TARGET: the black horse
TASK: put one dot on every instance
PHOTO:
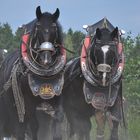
(31, 79)
(93, 83)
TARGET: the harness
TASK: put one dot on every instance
(18, 96)
(32, 65)
(14, 82)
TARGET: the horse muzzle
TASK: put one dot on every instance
(46, 50)
(105, 68)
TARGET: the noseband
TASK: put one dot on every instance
(88, 68)
(45, 46)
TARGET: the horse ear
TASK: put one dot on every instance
(98, 33)
(56, 14)
(38, 12)
(114, 33)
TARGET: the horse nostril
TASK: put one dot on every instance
(45, 62)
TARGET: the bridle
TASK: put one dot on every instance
(34, 35)
(98, 43)
(30, 51)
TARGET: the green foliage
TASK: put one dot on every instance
(132, 72)
(17, 37)
(9, 40)
(68, 44)
(131, 86)
(72, 41)
(6, 36)
(133, 126)
(77, 38)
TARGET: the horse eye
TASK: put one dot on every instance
(54, 24)
(88, 96)
(38, 24)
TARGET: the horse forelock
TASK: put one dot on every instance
(106, 35)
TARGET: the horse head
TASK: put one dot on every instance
(43, 54)
(46, 35)
(44, 48)
(103, 53)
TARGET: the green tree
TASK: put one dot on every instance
(6, 36)
(72, 41)
(131, 86)
(17, 38)
(70, 32)
(68, 44)
(77, 39)
(132, 72)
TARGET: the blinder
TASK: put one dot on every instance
(101, 43)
